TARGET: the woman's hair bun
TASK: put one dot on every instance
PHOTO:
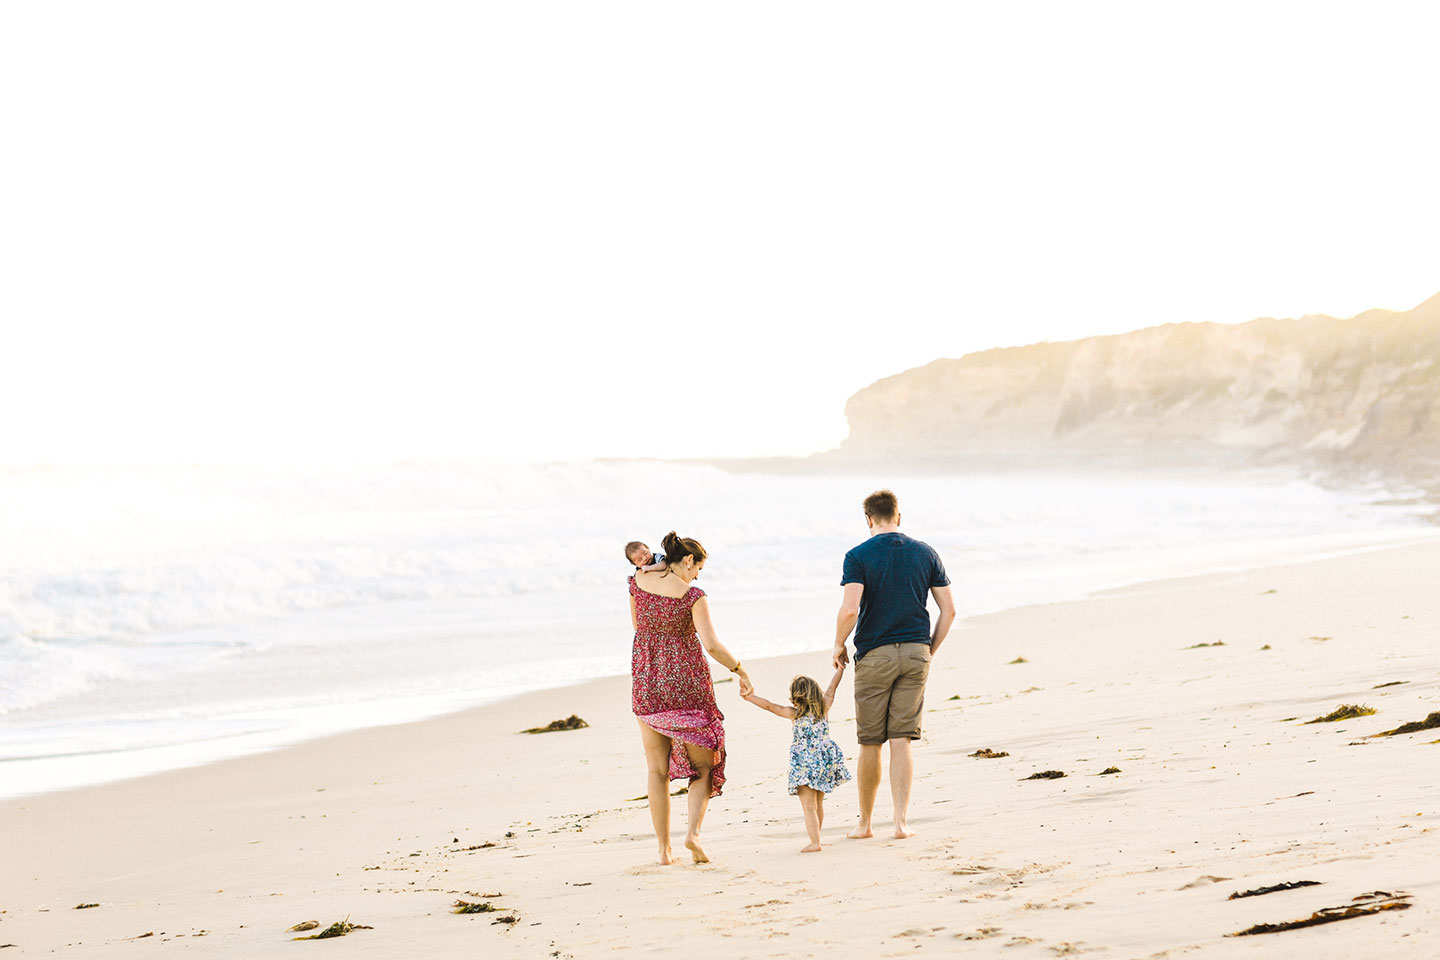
(677, 548)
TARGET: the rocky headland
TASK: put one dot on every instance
(1348, 397)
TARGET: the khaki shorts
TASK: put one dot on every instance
(890, 692)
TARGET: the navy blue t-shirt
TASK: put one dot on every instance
(897, 572)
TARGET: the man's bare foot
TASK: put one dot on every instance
(667, 857)
(902, 832)
(860, 833)
(813, 848)
(696, 853)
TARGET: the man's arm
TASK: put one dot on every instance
(845, 622)
(946, 603)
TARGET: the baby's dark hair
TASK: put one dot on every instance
(807, 698)
(634, 545)
(677, 548)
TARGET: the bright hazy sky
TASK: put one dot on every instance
(347, 230)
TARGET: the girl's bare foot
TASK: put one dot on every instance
(902, 832)
(860, 833)
(813, 848)
(666, 857)
(696, 853)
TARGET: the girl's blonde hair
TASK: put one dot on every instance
(807, 698)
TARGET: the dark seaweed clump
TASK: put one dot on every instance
(465, 906)
(1108, 770)
(1429, 723)
(985, 753)
(571, 722)
(337, 929)
(1046, 775)
(1344, 712)
(1332, 914)
(1276, 888)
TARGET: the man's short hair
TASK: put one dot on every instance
(882, 506)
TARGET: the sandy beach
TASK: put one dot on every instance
(1197, 690)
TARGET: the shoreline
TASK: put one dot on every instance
(318, 722)
(1220, 778)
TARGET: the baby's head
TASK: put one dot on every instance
(637, 553)
(807, 698)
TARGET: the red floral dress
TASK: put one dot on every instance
(670, 687)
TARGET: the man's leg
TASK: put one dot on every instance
(907, 703)
(902, 771)
(874, 676)
(867, 785)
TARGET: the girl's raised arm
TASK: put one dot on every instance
(834, 685)
(780, 711)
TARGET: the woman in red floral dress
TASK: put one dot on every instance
(671, 692)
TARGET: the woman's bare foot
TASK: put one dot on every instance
(813, 848)
(861, 832)
(696, 853)
(902, 832)
(667, 857)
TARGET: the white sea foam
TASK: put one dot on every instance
(144, 612)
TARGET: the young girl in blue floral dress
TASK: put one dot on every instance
(817, 764)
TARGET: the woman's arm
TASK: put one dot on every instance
(787, 712)
(634, 617)
(834, 685)
(705, 630)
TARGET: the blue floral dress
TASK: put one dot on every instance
(816, 761)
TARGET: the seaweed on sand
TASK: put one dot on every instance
(337, 929)
(1373, 903)
(1109, 770)
(1392, 683)
(86, 906)
(571, 722)
(465, 906)
(675, 793)
(1415, 726)
(985, 753)
(1275, 888)
(1045, 775)
(1019, 660)
(1197, 646)
(1344, 712)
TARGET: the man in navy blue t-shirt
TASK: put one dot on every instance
(887, 579)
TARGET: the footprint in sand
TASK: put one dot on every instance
(1203, 881)
(982, 933)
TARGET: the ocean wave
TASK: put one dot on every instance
(102, 572)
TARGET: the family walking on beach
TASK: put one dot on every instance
(886, 582)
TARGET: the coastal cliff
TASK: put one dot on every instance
(1362, 392)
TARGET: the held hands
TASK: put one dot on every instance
(841, 656)
(747, 689)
